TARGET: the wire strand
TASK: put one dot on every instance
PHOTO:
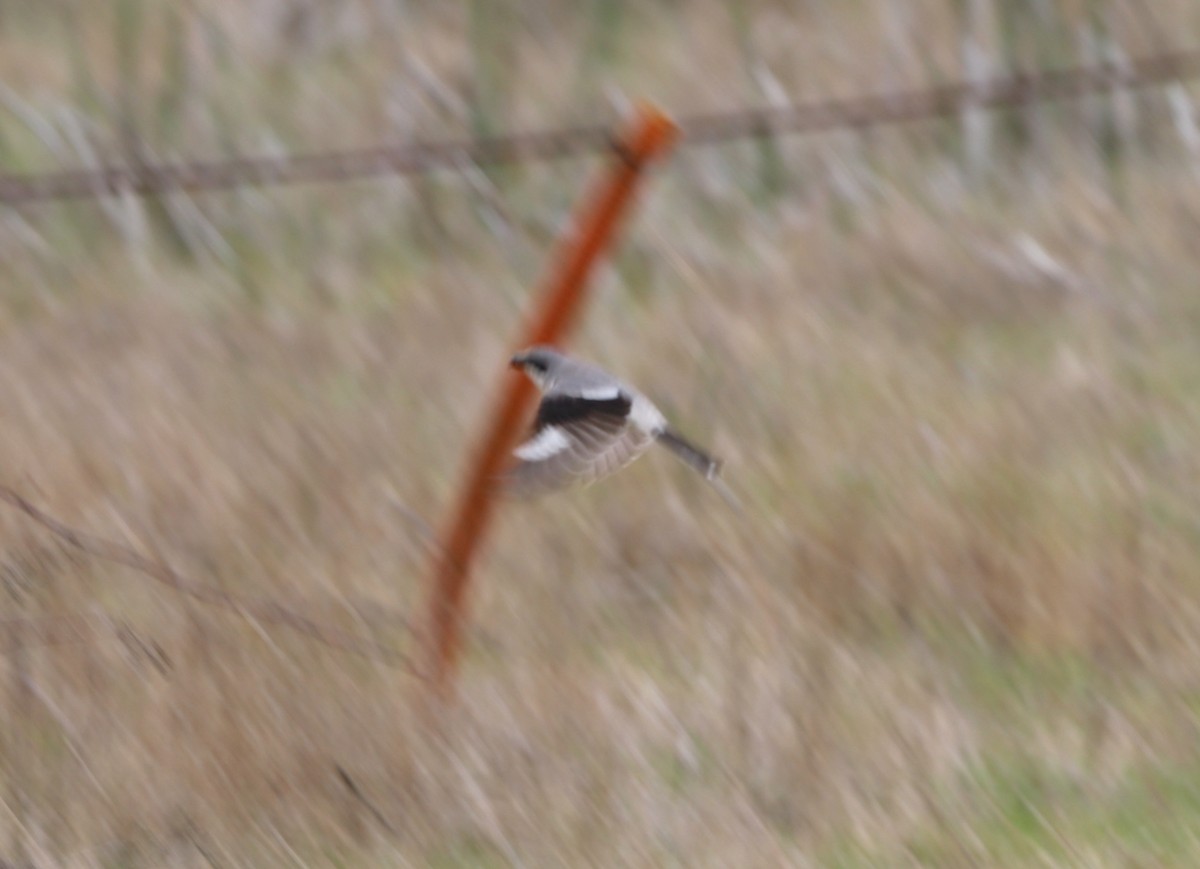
(852, 113)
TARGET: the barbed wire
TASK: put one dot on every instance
(851, 113)
(854, 113)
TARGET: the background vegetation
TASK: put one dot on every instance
(952, 367)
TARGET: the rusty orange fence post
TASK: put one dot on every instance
(649, 135)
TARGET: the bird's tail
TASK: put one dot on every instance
(702, 462)
(690, 453)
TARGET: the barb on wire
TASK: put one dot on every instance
(857, 112)
(255, 609)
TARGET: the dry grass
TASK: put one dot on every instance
(957, 627)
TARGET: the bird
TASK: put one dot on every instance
(590, 424)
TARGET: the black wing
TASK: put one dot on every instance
(576, 439)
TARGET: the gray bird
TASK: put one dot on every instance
(589, 425)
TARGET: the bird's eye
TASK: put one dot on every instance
(537, 364)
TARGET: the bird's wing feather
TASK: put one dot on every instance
(576, 439)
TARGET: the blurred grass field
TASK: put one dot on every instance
(952, 368)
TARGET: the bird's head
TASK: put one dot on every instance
(539, 363)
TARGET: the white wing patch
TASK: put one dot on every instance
(549, 442)
(600, 393)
